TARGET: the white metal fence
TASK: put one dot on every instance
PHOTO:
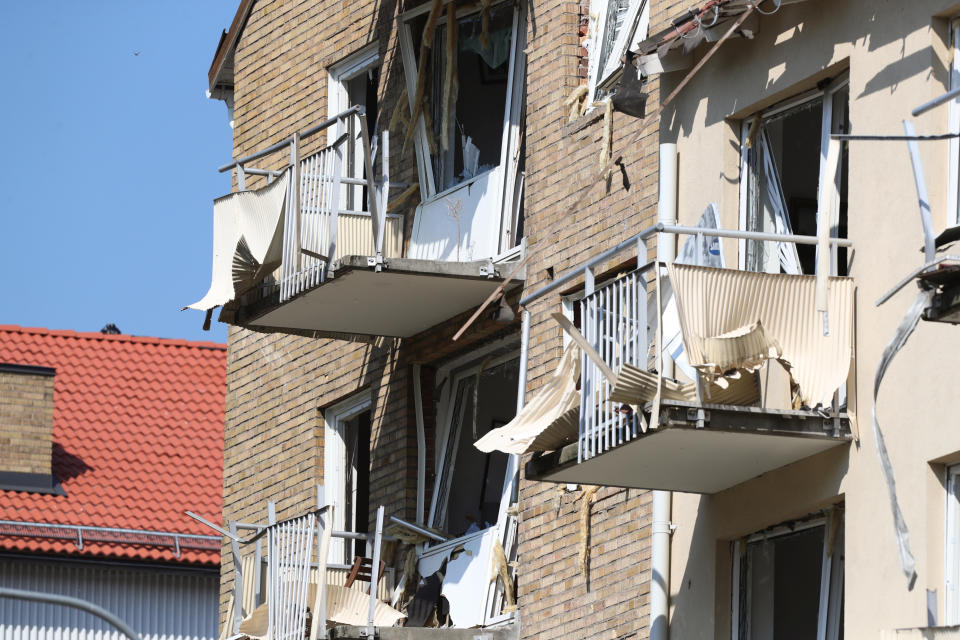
(614, 320)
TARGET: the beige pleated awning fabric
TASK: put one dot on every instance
(344, 606)
(247, 241)
(635, 387)
(725, 312)
(549, 420)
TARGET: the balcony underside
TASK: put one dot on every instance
(407, 297)
(734, 445)
(502, 632)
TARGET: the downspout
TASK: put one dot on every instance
(421, 443)
(660, 538)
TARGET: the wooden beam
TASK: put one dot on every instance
(493, 296)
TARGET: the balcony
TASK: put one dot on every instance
(314, 252)
(278, 591)
(749, 383)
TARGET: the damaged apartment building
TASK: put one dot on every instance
(570, 319)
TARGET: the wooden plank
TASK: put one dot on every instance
(493, 296)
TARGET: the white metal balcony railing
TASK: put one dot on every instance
(322, 219)
(614, 322)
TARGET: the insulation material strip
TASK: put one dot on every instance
(547, 418)
(254, 218)
(713, 302)
(904, 329)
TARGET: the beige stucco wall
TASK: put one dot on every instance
(897, 54)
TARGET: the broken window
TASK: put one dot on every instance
(784, 151)
(469, 153)
(347, 473)
(470, 483)
(614, 25)
(788, 582)
(952, 606)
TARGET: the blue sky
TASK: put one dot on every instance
(108, 163)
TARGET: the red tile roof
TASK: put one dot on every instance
(138, 439)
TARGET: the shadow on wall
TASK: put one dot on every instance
(797, 43)
(722, 518)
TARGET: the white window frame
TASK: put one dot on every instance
(953, 115)
(338, 101)
(952, 547)
(635, 26)
(334, 468)
(826, 123)
(510, 182)
(831, 574)
(445, 408)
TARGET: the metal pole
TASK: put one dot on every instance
(375, 573)
(68, 601)
(936, 102)
(929, 248)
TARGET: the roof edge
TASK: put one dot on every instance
(122, 337)
(228, 42)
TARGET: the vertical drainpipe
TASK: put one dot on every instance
(421, 443)
(660, 539)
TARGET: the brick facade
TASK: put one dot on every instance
(278, 386)
(26, 420)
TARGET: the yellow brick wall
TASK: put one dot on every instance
(26, 422)
(277, 385)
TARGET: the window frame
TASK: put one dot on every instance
(335, 419)
(637, 20)
(832, 572)
(953, 126)
(826, 95)
(951, 573)
(338, 101)
(445, 410)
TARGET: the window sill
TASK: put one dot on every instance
(581, 123)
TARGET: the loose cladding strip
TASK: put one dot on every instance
(713, 302)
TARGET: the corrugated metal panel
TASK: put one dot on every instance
(160, 604)
(713, 302)
(355, 236)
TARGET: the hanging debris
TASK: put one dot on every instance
(575, 102)
(501, 570)
(587, 496)
(400, 111)
(426, 45)
(449, 77)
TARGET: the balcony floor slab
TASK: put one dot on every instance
(736, 444)
(407, 297)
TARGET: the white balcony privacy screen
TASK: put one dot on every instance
(246, 241)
